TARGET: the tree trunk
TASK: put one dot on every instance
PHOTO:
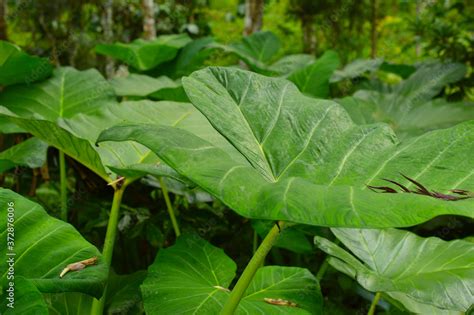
(373, 50)
(309, 34)
(418, 38)
(149, 27)
(3, 20)
(253, 16)
(107, 25)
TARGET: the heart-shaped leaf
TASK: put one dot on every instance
(192, 277)
(256, 50)
(44, 246)
(314, 79)
(30, 153)
(409, 107)
(145, 55)
(304, 160)
(17, 66)
(76, 136)
(428, 270)
(66, 94)
(189, 59)
(356, 69)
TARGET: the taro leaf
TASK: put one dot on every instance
(397, 298)
(429, 80)
(44, 246)
(356, 69)
(192, 277)
(17, 66)
(122, 155)
(74, 146)
(256, 50)
(123, 292)
(428, 270)
(76, 136)
(291, 238)
(123, 295)
(6, 126)
(30, 153)
(175, 93)
(402, 70)
(189, 59)
(66, 94)
(314, 79)
(291, 63)
(27, 299)
(145, 55)
(140, 85)
(409, 108)
(305, 160)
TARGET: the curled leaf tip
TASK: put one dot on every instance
(218, 287)
(78, 265)
(280, 302)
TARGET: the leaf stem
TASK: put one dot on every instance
(323, 268)
(63, 185)
(249, 272)
(375, 301)
(169, 207)
(255, 242)
(107, 252)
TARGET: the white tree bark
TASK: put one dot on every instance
(253, 16)
(149, 27)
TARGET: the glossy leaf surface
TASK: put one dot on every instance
(44, 246)
(304, 160)
(428, 270)
(192, 277)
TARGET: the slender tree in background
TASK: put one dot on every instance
(306, 11)
(107, 25)
(373, 30)
(253, 16)
(149, 27)
(3, 20)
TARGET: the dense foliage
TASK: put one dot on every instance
(212, 174)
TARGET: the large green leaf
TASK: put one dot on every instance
(291, 63)
(140, 85)
(77, 136)
(31, 153)
(291, 238)
(122, 297)
(409, 107)
(356, 69)
(145, 55)
(66, 94)
(189, 59)
(74, 146)
(19, 67)
(256, 50)
(428, 270)
(314, 79)
(192, 277)
(44, 246)
(303, 159)
(27, 299)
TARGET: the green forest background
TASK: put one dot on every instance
(401, 31)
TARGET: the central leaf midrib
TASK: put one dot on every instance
(61, 95)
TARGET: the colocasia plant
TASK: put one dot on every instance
(264, 145)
